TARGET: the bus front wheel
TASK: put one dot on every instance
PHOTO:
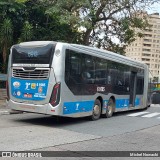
(110, 108)
(96, 110)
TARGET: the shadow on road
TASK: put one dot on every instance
(51, 121)
(56, 121)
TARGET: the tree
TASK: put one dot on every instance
(45, 26)
(15, 11)
(27, 32)
(26, 20)
(101, 21)
(6, 34)
(11, 15)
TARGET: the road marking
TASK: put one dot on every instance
(155, 105)
(137, 114)
(151, 115)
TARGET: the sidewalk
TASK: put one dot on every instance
(4, 110)
(2, 104)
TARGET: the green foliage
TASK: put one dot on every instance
(102, 18)
(88, 22)
(6, 34)
(27, 20)
(21, 1)
(27, 32)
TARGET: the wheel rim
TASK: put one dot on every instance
(110, 106)
(96, 110)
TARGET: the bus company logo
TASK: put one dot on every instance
(77, 106)
(18, 93)
(33, 85)
(100, 89)
(16, 84)
(27, 86)
(14, 93)
(40, 89)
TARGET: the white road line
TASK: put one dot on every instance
(151, 115)
(155, 105)
(137, 114)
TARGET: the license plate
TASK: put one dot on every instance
(28, 95)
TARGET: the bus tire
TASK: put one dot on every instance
(110, 108)
(96, 110)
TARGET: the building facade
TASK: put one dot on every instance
(147, 48)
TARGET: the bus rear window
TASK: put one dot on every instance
(33, 55)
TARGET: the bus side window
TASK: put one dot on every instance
(127, 84)
(88, 67)
(140, 82)
(140, 85)
(109, 79)
(67, 66)
(100, 71)
(120, 83)
(75, 68)
(72, 67)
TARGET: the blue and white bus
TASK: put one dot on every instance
(73, 80)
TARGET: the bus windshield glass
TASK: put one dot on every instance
(32, 54)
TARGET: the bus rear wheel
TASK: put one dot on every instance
(96, 110)
(110, 108)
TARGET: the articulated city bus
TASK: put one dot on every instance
(73, 80)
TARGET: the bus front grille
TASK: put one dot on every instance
(37, 73)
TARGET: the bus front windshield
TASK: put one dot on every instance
(33, 55)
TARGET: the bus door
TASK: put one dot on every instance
(133, 84)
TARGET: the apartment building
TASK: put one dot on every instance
(147, 48)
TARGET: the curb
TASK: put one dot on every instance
(4, 112)
(10, 111)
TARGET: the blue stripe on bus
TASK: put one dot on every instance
(137, 102)
(87, 106)
(77, 107)
(122, 103)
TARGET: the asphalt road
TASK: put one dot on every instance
(127, 131)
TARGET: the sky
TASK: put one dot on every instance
(154, 8)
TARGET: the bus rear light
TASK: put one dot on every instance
(7, 89)
(55, 97)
